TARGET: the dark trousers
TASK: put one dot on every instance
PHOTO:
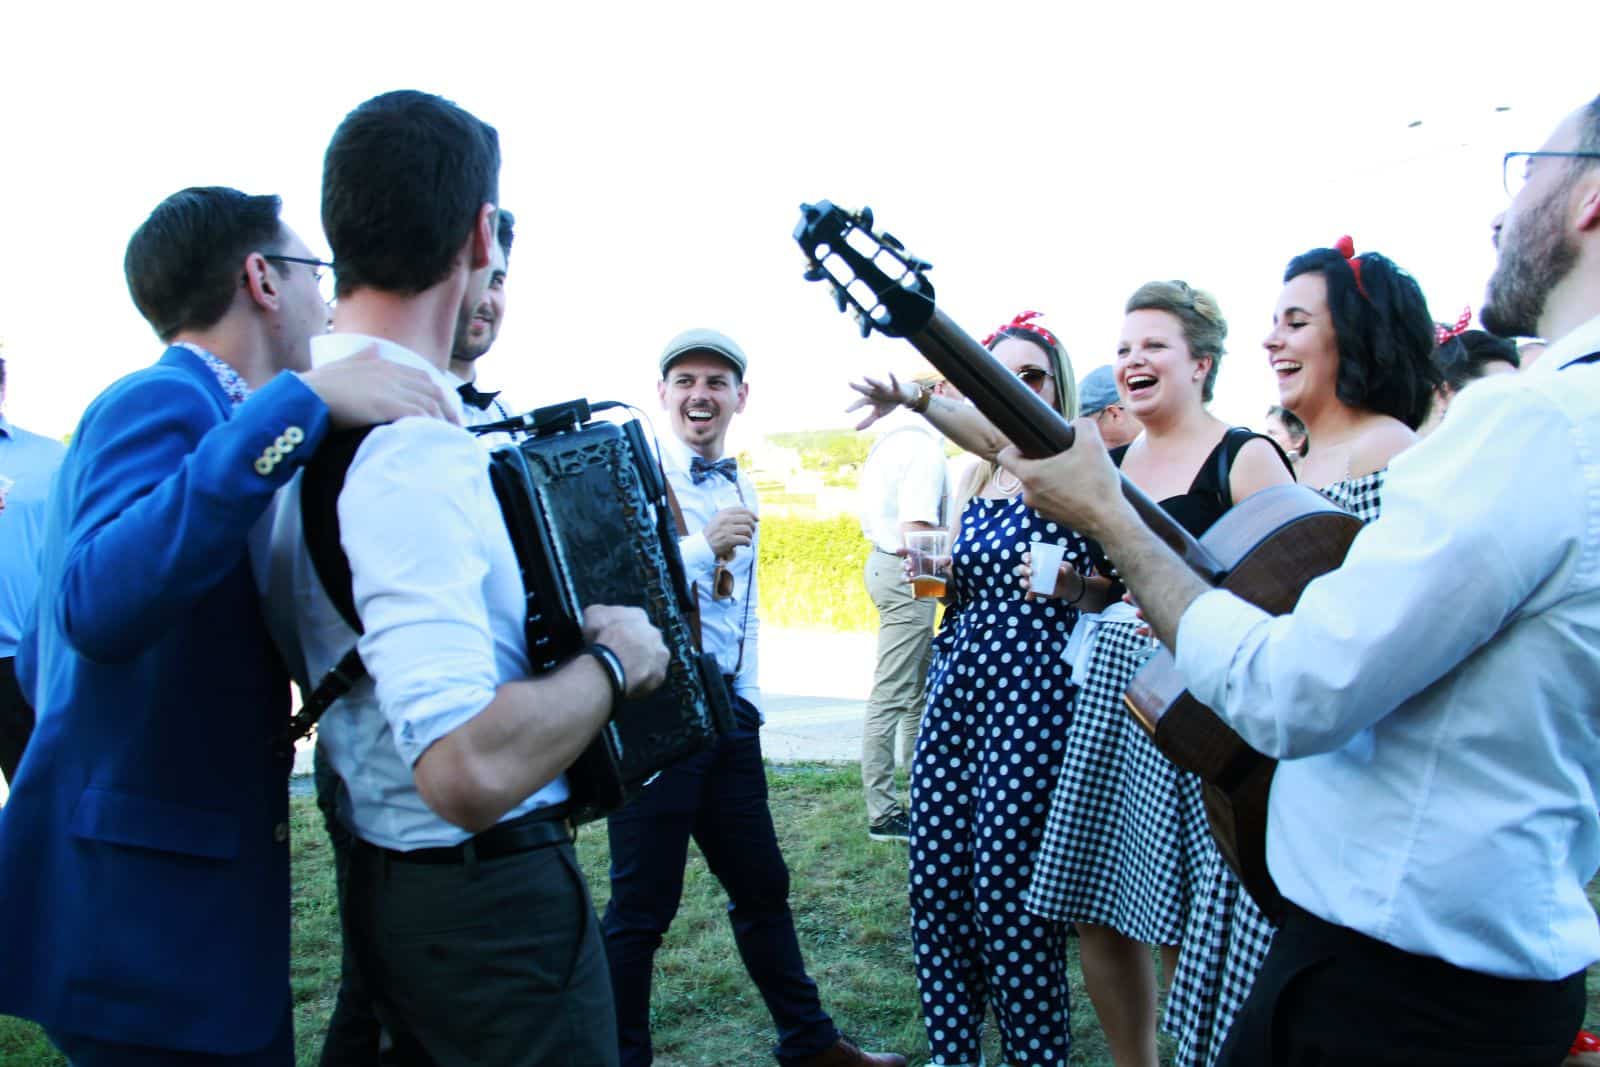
(1327, 995)
(89, 1052)
(353, 1035)
(494, 961)
(718, 798)
(16, 720)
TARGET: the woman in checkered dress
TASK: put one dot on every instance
(1351, 347)
(1126, 837)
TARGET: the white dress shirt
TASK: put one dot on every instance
(1435, 699)
(726, 626)
(902, 481)
(438, 590)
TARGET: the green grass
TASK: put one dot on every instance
(850, 909)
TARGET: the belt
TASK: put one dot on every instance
(540, 828)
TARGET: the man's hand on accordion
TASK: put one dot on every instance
(637, 644)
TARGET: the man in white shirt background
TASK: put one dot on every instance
(719, 797)
(463, 903)
(1433, 822)
(903, 487)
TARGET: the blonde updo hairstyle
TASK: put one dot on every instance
(1204, 328)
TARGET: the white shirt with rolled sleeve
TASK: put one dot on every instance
(1434, 701)
(903, 480)
(438, 590)
(725, 625)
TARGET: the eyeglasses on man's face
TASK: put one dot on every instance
(321, 272)
(1517, 167)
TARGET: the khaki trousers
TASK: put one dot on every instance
(894, 710)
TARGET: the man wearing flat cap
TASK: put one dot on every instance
(1098, 400)
(719, 797)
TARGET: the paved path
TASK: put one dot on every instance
(814, 685)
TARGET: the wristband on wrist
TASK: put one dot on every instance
(613, 667)
(1083, 587)
(924, 396)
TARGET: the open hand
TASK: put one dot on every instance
(881, 397)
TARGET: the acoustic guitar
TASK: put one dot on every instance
(1265, 549)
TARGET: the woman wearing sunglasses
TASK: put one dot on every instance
(1126, 841)
(999, 705)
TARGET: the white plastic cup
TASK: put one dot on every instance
(1045, 561)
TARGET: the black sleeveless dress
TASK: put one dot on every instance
(1126, 843)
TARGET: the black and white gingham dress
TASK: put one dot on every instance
(1127, 843)
(1228, 937)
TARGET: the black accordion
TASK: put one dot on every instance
(587, 511)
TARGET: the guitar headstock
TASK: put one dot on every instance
(870, 274)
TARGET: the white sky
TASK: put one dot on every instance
(1049, 156)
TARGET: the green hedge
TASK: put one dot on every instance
(811, 574)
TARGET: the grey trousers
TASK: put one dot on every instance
(894, 710)
(495, 962)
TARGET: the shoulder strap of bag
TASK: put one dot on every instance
(692, 615)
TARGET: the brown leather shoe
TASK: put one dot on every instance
(844, 1053)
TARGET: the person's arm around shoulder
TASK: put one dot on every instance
(166, 490)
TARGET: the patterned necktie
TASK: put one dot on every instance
(471, 396)
(700, 470)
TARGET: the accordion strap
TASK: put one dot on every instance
(692, 614)
(320, 485)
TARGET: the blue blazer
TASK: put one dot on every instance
(144, 854)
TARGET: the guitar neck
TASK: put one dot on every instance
(1036, 428)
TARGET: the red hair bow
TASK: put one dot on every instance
(1023, 321)
(1346, 247)
(1441, 334)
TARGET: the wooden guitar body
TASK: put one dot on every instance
(1271, 545)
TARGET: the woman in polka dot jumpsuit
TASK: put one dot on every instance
(999, 704)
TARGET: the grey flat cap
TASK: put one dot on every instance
(703, 340)
(1097, 391)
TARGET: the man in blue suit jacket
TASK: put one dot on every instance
(144, 857)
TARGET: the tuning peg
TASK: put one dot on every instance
(815, 273)
(918, 265)
(865, 324)
(864, 218)
(892, 241)
(840, 299)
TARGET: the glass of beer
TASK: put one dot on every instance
(928, 556)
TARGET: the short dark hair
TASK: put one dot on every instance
(505, 231)
(1383, 331)
(184, 262)
(1465, 357)
(402, 184)
(1589, 131)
